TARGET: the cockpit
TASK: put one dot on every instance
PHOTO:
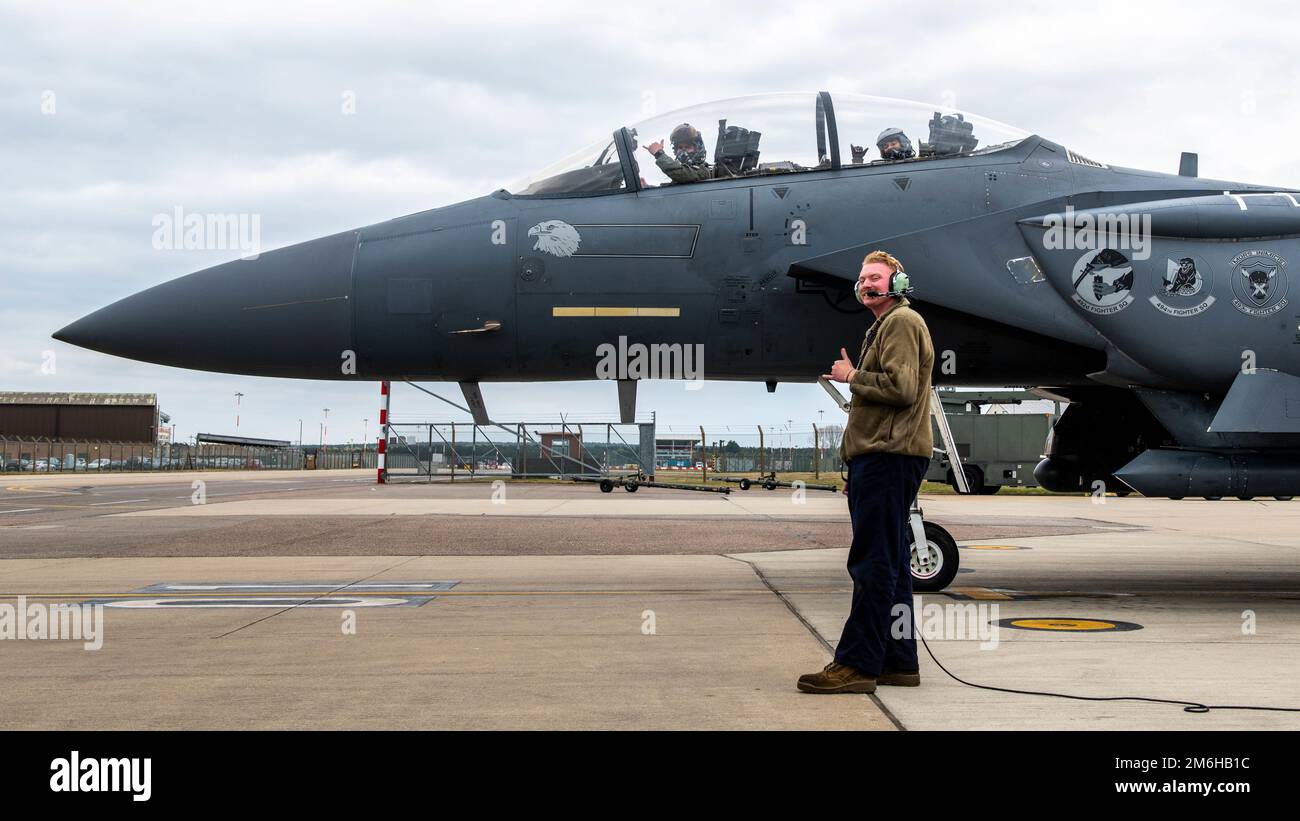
(766, 135)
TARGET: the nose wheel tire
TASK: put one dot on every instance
(935, 565)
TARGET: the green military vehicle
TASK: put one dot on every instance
(997, 448)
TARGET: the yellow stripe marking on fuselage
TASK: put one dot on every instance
(613, 311)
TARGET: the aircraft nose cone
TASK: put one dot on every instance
(285, 313)
(76, 333)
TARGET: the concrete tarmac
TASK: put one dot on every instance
(322, 601)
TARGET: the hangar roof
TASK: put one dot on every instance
(22, 398)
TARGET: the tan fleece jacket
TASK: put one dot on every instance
(890, 410)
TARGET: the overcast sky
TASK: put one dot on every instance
(111, 113)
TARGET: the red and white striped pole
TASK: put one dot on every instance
(385, 399)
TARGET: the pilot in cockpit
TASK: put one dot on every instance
(688, 163)
(894, 145)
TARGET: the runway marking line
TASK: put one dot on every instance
(77, 507)
(245, 594)
(979, 593)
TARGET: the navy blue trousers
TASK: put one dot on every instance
(881, 489)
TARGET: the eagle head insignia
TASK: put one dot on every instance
(555, 237)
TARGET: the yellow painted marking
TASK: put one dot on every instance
(1063, 624)
(979, 593)
(613, 311)
(990, 547)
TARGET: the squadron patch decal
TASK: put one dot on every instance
(555, 237)
(1103, 282)
(1258, 282)
(1183, 287)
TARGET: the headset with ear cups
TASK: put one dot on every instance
(900, 284)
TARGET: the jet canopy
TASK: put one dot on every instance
(768, 134)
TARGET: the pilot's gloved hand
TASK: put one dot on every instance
(859, 153)
(654, 148)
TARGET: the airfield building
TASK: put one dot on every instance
(93, 417)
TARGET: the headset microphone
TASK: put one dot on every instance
(899, 285)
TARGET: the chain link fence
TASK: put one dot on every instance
(751, 449)
(454, 450)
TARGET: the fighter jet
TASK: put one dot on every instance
(1156, 304)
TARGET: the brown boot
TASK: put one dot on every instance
(837, 678)
(899, 678)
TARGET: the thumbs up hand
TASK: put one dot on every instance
(842, 370)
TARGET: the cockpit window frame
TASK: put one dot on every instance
(630, 184)
(826, 129)
(626, 156)
(926, 158)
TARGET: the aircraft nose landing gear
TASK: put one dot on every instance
(934, 554)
